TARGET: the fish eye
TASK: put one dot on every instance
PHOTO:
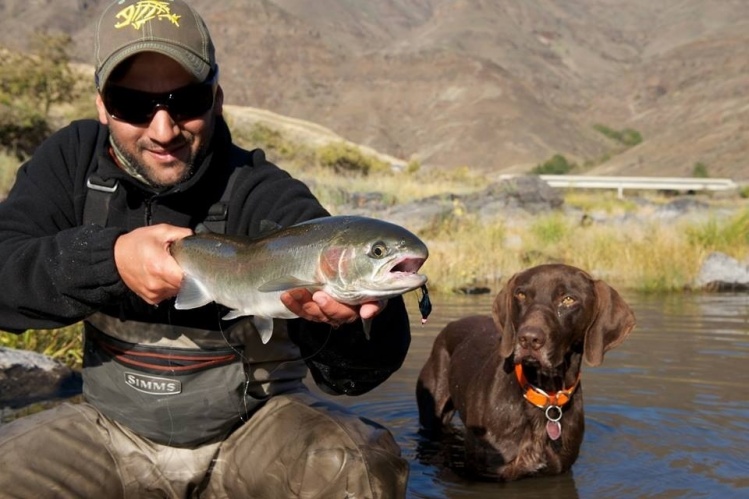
(378, 250)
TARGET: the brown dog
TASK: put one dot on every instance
(514, 378)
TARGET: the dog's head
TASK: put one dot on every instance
(545, 312)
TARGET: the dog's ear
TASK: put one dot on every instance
(502, 314)
(613, 321)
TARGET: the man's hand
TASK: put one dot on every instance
(145, 264)
(321, 307)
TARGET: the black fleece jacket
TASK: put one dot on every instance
(55, 270)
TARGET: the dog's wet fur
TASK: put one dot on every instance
(547, 319)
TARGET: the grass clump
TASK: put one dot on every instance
(724, 236)
(64, 344)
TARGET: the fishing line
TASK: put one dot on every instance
(168, 409)
(244, 360)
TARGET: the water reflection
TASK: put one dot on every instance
(667, 414)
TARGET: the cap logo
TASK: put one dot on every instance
(138, 14)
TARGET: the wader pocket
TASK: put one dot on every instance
(174, 396)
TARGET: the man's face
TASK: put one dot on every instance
(163, 150)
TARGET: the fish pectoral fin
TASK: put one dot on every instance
(286, 283)
(264, 326)
(192, 294)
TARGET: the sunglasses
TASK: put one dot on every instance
(137, 107)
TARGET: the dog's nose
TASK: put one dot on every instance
(531, 338)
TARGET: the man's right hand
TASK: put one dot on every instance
(145, 264)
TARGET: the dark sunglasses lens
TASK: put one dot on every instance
(136, 107)
(131, 106)
(190, 102)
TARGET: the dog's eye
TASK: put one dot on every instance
(520, 295)
(568, 301)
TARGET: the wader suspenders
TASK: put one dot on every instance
(218, 213)
(99, 192)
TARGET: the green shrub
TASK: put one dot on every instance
(29, 85)
(627, 136)
(348, 159)
(271, 139)
(700, 171)
(557, 165)
(630, 137)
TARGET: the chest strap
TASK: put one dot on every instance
(99, 193)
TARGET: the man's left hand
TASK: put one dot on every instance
(321, 307)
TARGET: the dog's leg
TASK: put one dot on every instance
(432, 389)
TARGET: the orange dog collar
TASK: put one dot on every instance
(540, 398)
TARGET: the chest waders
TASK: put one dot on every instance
(177, 385)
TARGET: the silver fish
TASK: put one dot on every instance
(353, 259)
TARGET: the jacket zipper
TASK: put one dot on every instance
(149, 213)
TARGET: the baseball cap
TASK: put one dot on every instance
(169, 27)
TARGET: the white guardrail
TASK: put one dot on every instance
(638, 183)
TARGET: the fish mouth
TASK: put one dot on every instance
(402, 275)
(389, 280)
(407, 265)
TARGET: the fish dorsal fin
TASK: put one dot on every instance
(191, 294)
(286, 283)
(268, 226)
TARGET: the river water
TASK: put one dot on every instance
(667, 413)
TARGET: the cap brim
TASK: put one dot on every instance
(193, 64)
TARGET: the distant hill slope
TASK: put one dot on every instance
(497, 86)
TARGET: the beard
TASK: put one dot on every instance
(148, 174)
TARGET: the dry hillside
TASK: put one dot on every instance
(497, 86)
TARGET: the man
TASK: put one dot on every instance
(178, 403)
